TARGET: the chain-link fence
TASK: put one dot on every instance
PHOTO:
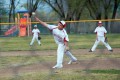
(73, 27)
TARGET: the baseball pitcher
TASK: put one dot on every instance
(61, 38)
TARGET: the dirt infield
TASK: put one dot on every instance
(92, 63)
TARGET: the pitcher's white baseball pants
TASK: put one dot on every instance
(60, 55)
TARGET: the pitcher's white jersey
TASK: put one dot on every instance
(59, 35)
(100, 31)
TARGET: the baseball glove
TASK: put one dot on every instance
(106, 39)
(39, 38)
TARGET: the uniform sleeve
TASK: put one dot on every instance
(66, 36)
(51, 27)
(96, 30)
(33, 31)
(38, 31)
(105, 31)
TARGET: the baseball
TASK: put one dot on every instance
(33, 13)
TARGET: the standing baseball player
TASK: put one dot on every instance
(100, 37)
(61, 38)
(35, 33)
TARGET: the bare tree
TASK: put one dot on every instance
(32, 5)
(115, 7)
(12, 10)
(67, 9)
(95, 9)
(2, 13)
(107, 9)
(102, 9)
(72, 9)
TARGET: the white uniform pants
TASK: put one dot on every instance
(71, 57)
(60, 54)
(100, 39)
(33, 39)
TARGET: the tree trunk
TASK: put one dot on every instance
(116, 4)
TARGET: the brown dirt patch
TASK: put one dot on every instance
(94, 63)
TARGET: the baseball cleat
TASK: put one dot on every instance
(57, 67)
(70, 62)
(111, 50)
(90, 50)
(54, 66)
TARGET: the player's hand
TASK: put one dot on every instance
(67, 48)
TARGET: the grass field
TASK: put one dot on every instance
(19, 61)
(76, 42)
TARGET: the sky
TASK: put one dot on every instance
(18, 7)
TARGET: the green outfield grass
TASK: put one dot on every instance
(76, 42)
(69, 75)
(84, 41)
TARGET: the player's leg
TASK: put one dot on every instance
(32, 41)
(60, 54)
(38, 40)
(72, 57)
(95, 45)
(106, 44)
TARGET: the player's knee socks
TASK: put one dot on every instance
(68, 53)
